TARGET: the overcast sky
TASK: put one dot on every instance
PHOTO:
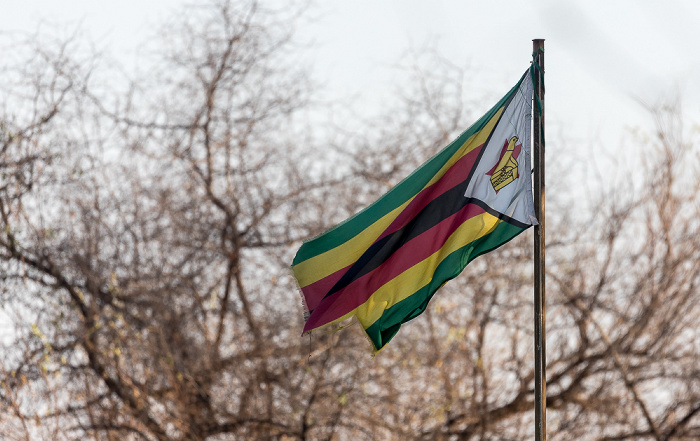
(601, 56)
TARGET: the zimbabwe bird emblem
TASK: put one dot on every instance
(506, 170)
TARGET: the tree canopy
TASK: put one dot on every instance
(148, 225)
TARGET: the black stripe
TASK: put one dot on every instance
(501, 216)
(436, 211)
(440, 208)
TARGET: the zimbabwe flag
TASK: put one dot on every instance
(384, 264)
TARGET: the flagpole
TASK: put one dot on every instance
(539, 297)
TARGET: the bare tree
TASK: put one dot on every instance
(147, 232)
(152, 250)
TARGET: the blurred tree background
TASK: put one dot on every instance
(148, 227)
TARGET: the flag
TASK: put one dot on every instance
(384, 264)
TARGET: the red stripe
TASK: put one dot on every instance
(411, 253)
(455, 175)
(315, 292)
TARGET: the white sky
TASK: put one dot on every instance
(600, 55)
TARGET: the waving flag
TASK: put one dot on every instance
(384, 264)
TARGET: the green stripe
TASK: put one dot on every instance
(402, 192)
(411, 307)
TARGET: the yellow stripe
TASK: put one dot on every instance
(470, 144)
(325, 264)
(322, 265)
(419, 275)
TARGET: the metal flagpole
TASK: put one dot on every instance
(539, 298)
